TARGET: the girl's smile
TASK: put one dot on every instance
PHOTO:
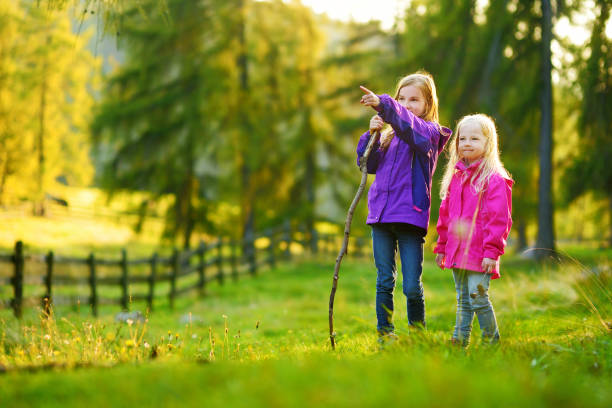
(471, 142)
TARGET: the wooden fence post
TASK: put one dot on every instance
(220, 261)
(364, 247)
(233, 259)
(252, 256)
(271, 245)
(17, 280)
(287, 240)
(173, 276)
(152, 276)
(314, 241)
(46, 300)
(124, 280)
(93, 298)
(361, 247)
(202, 268)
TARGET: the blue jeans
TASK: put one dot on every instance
(473, 298)
(386, 239)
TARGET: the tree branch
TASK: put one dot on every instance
(363, 165)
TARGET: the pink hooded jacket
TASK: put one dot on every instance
(491, 222)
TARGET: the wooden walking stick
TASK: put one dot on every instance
(363, 165)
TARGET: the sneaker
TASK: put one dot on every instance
(387, 339)
(455, 342)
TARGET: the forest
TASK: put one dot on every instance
(229, 117)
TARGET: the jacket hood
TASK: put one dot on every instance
(472, 167)
(462, 167)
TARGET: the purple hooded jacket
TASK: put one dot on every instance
(401, 191)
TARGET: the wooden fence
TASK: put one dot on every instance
(37, 279)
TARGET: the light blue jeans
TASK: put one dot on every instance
(473, 298)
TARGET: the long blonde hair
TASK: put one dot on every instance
(424, 81)
(490, 164)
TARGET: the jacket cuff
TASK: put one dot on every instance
(381, 106)
(491, 254)
(439, 249)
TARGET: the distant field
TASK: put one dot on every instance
(88, 223)
(263, 342)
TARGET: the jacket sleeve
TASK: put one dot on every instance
(375, 154)
(497, 206)
(442, 227)
(418, 133)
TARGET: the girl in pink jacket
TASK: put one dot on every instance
(474, 223)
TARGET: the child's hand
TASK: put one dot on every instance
(440, 260)
(370, 98)
(376, 123)
(488, 265)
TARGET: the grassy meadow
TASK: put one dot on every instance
(264, 342)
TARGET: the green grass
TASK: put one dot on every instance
(264, 342)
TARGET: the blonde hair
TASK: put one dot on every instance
(424, 81)
(490, 163)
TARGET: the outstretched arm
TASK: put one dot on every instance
(408, 127)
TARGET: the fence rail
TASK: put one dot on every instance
(37, 279)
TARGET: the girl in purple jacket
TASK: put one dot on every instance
(475, 220)
(403, 160)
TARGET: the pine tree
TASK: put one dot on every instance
(590, 167)
(157, 126)
(47, 97)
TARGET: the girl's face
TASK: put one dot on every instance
(411, 98)
(471, 142)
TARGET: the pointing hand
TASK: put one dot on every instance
(370, 98)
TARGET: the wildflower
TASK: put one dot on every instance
(194, 336)
(130, 343)
(47, 337)
(170, 346)
(129, 322)
(146, 345)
